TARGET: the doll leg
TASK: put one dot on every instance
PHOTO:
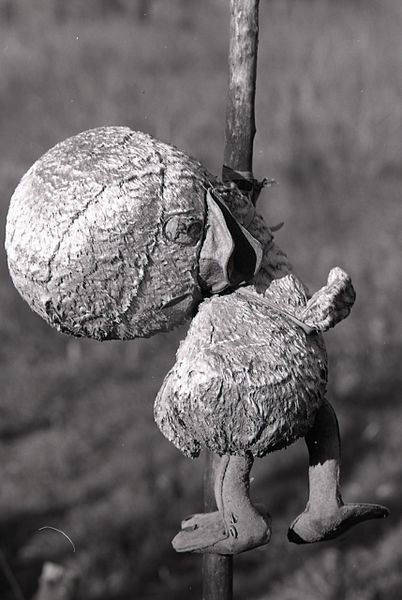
(237, 525)
(326, 516)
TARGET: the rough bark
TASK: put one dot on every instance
(240, 111)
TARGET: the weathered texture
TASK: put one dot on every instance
(104, 233)
(113, 234)
(249, 379)
(246, 379)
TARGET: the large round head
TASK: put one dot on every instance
(114, 235)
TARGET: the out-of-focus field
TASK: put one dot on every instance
(79, 449)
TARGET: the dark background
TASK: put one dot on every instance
(79, 449)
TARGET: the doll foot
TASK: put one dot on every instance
(200, 531)
(307, 528)
(209, 533)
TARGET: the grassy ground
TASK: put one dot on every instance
(79, 447)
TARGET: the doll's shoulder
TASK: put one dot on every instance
(287, 290)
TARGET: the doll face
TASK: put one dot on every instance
(168, 293)
(196, 255)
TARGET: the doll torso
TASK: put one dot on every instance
(247, 378)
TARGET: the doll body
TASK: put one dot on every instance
(250, 378)
(247, 378)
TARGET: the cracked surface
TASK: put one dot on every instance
(246, 379)
(84, 234)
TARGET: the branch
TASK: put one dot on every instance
(240, 112)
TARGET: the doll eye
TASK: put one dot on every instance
(183, 229)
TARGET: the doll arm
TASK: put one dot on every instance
(331, 303)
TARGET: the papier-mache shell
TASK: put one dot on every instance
(91, 221)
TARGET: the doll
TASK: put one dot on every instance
(115, 235)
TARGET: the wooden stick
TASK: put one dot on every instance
(240, 111)
(238, 163)
(217, 570)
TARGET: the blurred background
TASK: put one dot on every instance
(79, 448)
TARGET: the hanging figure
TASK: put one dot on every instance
(115, 235)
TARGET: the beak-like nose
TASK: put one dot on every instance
(230, 255)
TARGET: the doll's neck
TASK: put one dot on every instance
(274, 265)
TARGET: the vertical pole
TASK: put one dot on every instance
(238, 165)
(240, 108)
(217, 570)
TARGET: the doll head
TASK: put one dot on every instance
(115, 235)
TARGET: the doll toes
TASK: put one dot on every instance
(208, 533)
(199, 532)
(248, 531)
(307, 528)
